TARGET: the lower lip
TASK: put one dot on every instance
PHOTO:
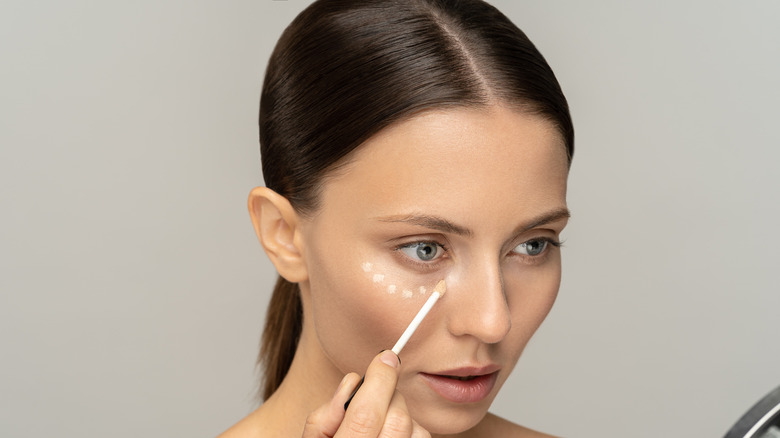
(462, 391)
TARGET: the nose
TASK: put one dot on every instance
(479, 307)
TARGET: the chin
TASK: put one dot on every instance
(451, 421)
(442, 416)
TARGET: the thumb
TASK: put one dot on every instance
(325, 421)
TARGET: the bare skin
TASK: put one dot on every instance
(473, 196)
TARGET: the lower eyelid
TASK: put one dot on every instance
(531, 260)
(419, 265)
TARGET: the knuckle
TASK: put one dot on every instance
(363, 422)
(397, 424)
(421, 433)
(386, 376)
(313, 421)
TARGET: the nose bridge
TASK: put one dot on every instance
(480, 307)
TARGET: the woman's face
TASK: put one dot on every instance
(476, 197)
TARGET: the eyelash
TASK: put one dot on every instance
(528, 259)
(539, 258)
(431, 265)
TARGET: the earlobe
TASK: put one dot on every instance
(276, 224)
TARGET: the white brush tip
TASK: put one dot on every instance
(441, 287)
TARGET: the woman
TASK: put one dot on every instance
(405, 142)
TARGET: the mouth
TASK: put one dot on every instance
(462, 379)
(459, 388)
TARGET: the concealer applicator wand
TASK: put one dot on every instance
(438, 291)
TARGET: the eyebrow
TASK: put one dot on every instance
(432, 222)
(445, 226)
(544, 219)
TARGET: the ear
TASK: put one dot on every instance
(277, 227)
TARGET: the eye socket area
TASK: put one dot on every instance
(535, 247)
(428, 254)
(423, 251)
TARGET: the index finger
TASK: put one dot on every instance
(368, 408)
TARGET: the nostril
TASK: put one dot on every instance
(495, 328)
(488, 323)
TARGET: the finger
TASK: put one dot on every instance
(366, 413)
(398, 423)
(354, 391)
(325, 421)
(419, 431)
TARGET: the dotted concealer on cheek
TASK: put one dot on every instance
(389, 286)
(438, 291)
(379, 278)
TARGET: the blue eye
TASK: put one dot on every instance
(424, 251)
(532, 247)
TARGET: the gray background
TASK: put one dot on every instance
(133, 288)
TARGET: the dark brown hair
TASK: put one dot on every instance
(346, 69)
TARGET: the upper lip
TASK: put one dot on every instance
(469, 371)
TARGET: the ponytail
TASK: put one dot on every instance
(283, 322)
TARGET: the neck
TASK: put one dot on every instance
(310, 383)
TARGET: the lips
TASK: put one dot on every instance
(463, 385)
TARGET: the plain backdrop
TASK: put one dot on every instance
(133, 290)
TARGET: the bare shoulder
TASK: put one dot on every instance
(494, 425)
(243, 429)
(252, 426)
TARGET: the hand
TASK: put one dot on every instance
(376, 410)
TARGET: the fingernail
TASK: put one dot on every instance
(397, 356)
(389, 358)
(354, 391)
(341, 385)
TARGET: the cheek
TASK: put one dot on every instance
(531, 295)
(363, 312)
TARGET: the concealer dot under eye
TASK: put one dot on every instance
(394, 286)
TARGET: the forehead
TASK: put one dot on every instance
(450, 160)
